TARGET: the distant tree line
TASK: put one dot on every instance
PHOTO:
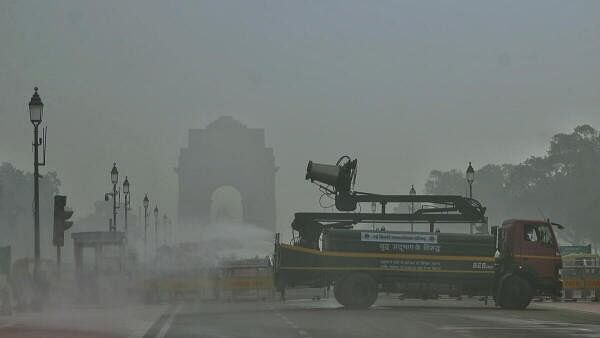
(563, 185)
(16, 209)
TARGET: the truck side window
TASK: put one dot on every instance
(538, 234)
(531, 233)
(545, 234)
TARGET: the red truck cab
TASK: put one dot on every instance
(529, 249)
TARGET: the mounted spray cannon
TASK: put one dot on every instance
(338, 182)
(341, 177)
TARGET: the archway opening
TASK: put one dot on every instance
(226, 206)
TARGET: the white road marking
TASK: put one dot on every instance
(303, 333)
(564, 331)
(167, 325)
(141, 327)
(524, 327)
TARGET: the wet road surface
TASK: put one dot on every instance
(388, 318)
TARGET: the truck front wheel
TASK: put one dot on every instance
(516, 293)
(356, 291)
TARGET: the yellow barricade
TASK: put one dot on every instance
(592, 283)
(246, 283)
(573, 283)
(581, 283)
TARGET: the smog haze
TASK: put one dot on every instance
(406, 87)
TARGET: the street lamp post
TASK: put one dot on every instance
(156, 227)
(127, 203)
(373, 209)
(114, 178)
(412, 192)
(146, 202)
(470, 180)
(36, 111)
(165, 224)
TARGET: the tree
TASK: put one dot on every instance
(563, 185)
(16, 208)
(445, 182)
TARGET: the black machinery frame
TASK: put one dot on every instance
(337, 182)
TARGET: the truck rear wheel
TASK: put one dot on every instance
(357, 291)
(516, 293)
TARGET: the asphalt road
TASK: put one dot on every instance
(388, 318)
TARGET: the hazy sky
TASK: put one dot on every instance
(405, 86)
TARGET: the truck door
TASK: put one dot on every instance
(538, 248)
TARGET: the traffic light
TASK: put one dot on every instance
(61, 223)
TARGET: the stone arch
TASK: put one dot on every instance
(227, 152)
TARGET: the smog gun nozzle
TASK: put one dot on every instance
(340, 176)
(337, 180)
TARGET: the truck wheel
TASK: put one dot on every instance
(516, 293)
(357, 291)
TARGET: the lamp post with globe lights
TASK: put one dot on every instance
(146, 201)
(470, 180)
(156, 227)
(114, 179)
(412, 192)
(127, 202)
(36, 112)
(166, 229)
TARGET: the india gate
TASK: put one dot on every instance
(227, 153)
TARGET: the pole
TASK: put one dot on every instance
(114, 223)
(412, 211)
(471, 196)
(156, 233)
(58, 262)
(36, 203)
(126, 209)
(170, 237)
(145, 233)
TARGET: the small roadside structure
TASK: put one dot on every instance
(102, 242)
